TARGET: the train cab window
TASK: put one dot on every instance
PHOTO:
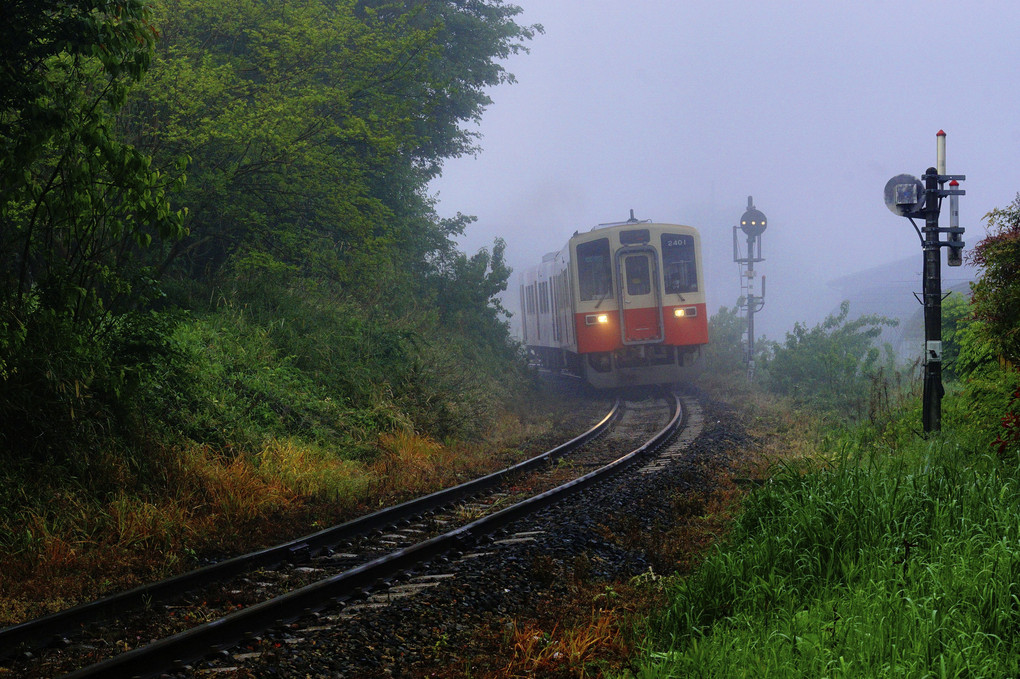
(639, 281)
(594, 269)
(680, 271)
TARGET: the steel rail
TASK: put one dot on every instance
(41, 631)
(176, 651)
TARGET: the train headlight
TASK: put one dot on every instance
(593, 319)
(603, 318)
(685, 312)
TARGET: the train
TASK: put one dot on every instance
(620, 305)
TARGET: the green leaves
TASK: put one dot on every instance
(831, 364)
(77, 206)
(314, 126)
(997, 292)
(307, 131)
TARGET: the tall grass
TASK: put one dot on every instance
(867, 564)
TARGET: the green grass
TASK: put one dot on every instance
(873, 563)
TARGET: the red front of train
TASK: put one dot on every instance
(622, 304)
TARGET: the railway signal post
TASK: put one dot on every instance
(907, 197)
(752, 223)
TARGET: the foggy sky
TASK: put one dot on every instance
(682, 109)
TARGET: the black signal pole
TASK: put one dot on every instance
(931, 405)
(907, 197)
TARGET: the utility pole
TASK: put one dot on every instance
(752, 223)
(907, 197)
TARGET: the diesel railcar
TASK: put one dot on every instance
(620, 305)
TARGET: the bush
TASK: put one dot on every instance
(832, 366)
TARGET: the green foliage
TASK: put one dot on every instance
(956, 318)
(874, 564)
(307, 132)
(292, 358)
(982, 339)
(726, 350)
(995, 336)
(833, 365)
(312, 128)
(78, 207)
(985, 386)
(467, 293)
(448, 88)
(997, 292)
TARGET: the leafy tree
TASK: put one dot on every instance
(956, 317)
(263, 100)
(468, 291)
(312, 129)
(830, 365)
(997, 292)
(77, 205)
(724, 356)
(448, 87)
(997, 308)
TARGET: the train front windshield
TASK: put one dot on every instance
(680, 271)
(594, 269)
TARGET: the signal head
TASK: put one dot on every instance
(904, 195)
(752, 222)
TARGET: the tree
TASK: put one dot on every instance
(997, 310)
(997, 291)
(313, 127)
(956, 317)
(468, 290)
(77, 204)
(724, 356)
(830, 365)
(448, 84)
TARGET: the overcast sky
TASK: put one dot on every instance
(681, 109)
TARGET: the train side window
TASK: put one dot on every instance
(680, 271)
(531, 298)
(639, 281)
(594, 270)
(543, 297)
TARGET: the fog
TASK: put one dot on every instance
(680, 110)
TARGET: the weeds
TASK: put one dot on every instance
(868, 564)
(571, 652)
(69, 543)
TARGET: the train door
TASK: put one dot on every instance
(640, 308)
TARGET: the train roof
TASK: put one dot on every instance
(608, 225)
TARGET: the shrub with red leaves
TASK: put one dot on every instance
(1009, 437)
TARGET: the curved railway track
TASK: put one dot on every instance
(341, 565)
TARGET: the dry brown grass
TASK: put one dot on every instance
(579, 650)
(81, 547)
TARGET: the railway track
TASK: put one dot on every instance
(334, 569)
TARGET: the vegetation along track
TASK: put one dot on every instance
(330, 568)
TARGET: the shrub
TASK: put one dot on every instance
(832, 365)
